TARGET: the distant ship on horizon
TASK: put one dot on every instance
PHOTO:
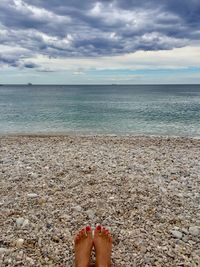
(30, 84)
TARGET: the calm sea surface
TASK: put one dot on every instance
(116, 109)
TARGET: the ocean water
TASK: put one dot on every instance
(168, 110)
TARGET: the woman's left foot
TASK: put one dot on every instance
(83, 247)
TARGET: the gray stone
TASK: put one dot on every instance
(19, 221)
(3, 251)
(22, 222)
(32, 195)
(65, 217)
(77, 208)
(176, 234)
(25, 223)
(185, 231)
(194, 230)
(90, 214)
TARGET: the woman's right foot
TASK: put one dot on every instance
(103, 246)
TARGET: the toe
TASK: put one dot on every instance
(98, 229)
(77, 238)
(82, 233)
(105, 231)
(88, 231)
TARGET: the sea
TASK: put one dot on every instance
(158, 110)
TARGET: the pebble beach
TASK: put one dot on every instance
(146, 190)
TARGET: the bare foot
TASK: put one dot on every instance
(103, 246)
(83, 246)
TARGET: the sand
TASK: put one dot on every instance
(145, 189)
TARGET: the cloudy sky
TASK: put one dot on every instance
(106, 41)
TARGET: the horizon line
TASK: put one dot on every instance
(99, 84)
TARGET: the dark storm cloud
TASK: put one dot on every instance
(30, 65)
(14, 61)
(7, 60)
(89, 28)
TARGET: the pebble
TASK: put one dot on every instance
(185, 231)
(176, 234)
(90, 214)
(65, 217)
(42, 200)
(32, 195)
(19, 242)
(22, 222)
(194, 230)
(30, 260)
(67, 233)
(77, 208)
(33, 175)
(55, 238)
(19, 221)
(141, 206)
(3, 251)
(40, 242)
(25, 223)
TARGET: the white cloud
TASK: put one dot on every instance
(176, 58)
(37, 13)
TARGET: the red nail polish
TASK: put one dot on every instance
(98, 227)
(88, 228)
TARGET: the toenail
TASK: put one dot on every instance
(98, 227)
(88, 228)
